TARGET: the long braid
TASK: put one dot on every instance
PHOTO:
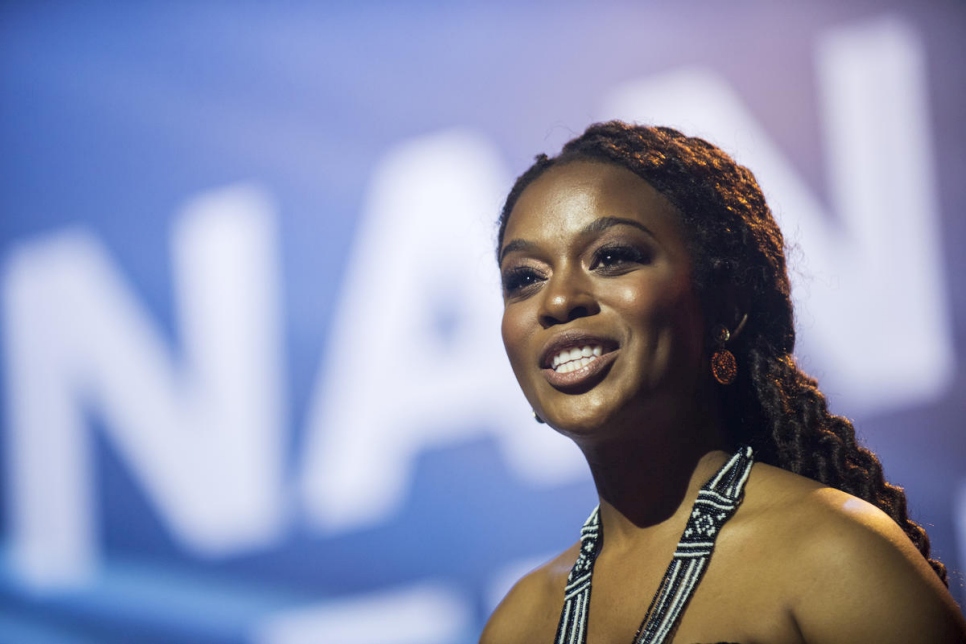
(805, 438)
(735, 243)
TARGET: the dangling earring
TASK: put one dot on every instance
(724, 367)
(538, 419)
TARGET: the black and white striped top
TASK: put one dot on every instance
(716, 503)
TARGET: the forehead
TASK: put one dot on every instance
(568, 197)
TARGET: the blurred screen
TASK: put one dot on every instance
(251, 379)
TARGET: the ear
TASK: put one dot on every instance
(740, 326)
(731, 308)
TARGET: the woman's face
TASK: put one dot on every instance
(601, 322)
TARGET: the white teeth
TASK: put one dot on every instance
(572, 359)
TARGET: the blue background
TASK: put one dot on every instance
(112, 115)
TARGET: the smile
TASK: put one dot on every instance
(574, 363)
(577, 358)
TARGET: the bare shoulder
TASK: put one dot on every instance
(852, 574)
(531, 609)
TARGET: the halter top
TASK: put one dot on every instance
(716, 503)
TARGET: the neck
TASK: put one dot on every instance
(646, 477)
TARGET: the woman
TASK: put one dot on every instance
(648, 317)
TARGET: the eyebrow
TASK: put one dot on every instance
(594, 227)
(602, 224)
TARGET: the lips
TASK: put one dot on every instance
(575, 360)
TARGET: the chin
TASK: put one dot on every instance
(580, 424)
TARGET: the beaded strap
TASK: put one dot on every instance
(573, 620)
(716, 503)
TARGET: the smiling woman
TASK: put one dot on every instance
(648, 317)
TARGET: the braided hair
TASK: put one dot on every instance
(736, 244)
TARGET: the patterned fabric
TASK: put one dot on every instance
(573, 619)
(716, 503)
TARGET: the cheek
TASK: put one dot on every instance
(645, 307)
(668, 315)
(686, 327)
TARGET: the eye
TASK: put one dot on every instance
(616, 258)
(518, 280)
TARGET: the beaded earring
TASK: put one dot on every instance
(724, 367)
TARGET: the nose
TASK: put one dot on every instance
(567, 296)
